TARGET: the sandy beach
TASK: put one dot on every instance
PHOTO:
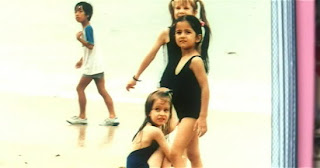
(38, 80)
(34, 134)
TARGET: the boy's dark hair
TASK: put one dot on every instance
(87, 8)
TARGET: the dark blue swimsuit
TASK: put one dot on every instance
(139, 158)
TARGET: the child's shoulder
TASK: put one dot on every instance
(164, 35)
(196, 59)
(152, 130)
(88, 27)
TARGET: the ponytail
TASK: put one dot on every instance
(203, 16)
(205, 46)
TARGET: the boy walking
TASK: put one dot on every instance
(92, 68)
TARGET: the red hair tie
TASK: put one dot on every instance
(202, 23)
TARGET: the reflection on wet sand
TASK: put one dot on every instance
(82, 135)
(48, 141)
(106, 140)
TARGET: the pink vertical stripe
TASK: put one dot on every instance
(306, 80)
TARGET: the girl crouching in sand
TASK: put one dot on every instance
(151, 134)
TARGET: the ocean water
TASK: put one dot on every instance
(38, 49)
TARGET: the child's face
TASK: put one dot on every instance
(160, 112)
(80, 14)
(183, 8)
(186, 37)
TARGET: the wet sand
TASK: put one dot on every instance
(34, 134)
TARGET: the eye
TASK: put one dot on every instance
(188, 32)
(178, 32)
(166, 110)
(157, 109)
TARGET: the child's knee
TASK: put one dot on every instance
(79, 89)
(175, 154)
(193, 155)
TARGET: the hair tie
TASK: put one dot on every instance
(202, 23)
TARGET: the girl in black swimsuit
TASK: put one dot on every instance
(177, 8)
(190, 90)
(151, 134)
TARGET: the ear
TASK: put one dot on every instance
(198, 38)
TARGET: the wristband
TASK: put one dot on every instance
(134, 78)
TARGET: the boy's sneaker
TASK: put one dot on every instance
(110, 122)
(77, 120)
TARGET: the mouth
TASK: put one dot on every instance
(161, 120)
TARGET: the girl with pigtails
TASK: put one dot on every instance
(190, 90)
(177, 9)
(166, 39)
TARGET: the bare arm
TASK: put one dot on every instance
(162, 39)
(159, 137)
(79, 63)
(198, 69)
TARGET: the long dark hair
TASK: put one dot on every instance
(196, 26)
(163, 94)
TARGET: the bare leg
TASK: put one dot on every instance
(156, 159)
(84, 82)
(106, 97)
(184, 136)
(193, 152)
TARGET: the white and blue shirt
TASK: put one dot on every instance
(91, 60)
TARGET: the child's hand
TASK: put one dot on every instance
(200, 126)
(78, 64)
(131, 84)
(79, 35)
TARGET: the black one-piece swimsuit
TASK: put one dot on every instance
(174, 55)
(186, 93)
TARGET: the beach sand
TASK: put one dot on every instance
(35, 134)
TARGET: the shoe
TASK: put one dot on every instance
(110, 122)
(76, 120)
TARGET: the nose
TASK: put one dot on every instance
(162, 112)
(182, 35)
(181, 12)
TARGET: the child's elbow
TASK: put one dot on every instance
(90, 47)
